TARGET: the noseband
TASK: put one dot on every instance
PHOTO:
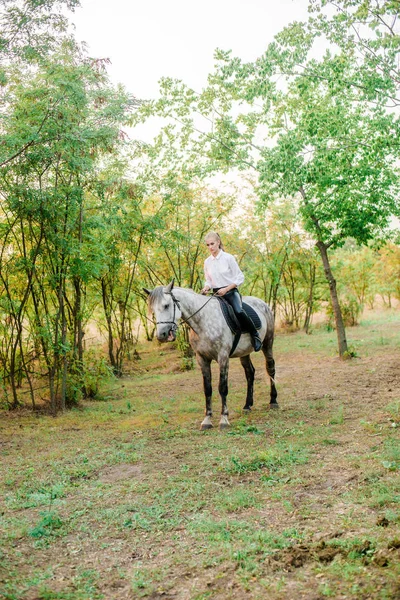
(174, 327)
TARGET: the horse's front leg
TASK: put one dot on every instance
(270, 364)
(249, 370)
(205, 366)
(223, 391)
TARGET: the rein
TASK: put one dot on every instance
(197, 311)
(177, 304)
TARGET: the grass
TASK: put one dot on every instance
(127, 498)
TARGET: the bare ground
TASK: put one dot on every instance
(297, 503)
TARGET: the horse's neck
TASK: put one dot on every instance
(189, 302)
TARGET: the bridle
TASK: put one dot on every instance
(176, 304)
(174, 324)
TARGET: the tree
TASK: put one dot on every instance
(128, 225)
(308, 127)
(387, 272)
(279, 260)
(333, 152)
(357, 273)
(61, 117)
(368, 31)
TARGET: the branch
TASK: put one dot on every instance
(3, 164)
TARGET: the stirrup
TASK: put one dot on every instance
(257, 343)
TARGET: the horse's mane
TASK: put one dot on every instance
(187, 290)
(159, 291)
(156, 294)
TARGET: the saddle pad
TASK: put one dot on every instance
(231, 318)
(253, 315)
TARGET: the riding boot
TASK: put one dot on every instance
(247, 323)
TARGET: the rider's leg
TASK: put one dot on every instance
(235, 300)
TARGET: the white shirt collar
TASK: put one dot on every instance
(218, 255)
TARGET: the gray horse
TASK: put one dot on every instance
(211, 339)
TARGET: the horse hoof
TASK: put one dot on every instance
(247, 408)
(206, 423)
(274, 405)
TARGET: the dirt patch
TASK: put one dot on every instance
(324, 553)
(298, 556)
(120, 473)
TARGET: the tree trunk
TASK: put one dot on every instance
(64, 351)
(108, 314)
(340, 330)
(28, 377)
(53, 401)
(273, 300)
(120, 352)
(77, 316)
(78, 300)
(310, 300)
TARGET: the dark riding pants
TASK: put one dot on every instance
(235, 300)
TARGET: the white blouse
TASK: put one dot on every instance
(222, 270)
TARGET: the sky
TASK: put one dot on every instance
(149, 39)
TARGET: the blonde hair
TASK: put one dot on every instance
(214, 235)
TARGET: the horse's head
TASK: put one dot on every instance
(165, 308)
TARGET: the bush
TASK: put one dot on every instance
(84, 380)
(185, 349)
(351, 311)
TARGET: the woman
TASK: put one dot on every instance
(223, 276)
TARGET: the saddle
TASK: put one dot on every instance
(233, 323)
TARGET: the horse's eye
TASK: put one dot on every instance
(166, 306)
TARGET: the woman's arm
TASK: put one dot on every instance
(208, 285)
(235, 274)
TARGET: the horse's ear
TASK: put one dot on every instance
(169, 287)
(148, 292)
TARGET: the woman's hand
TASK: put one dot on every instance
(226, 289)
(222, 291)
(205, 290)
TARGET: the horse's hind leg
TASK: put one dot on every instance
(205, 366)
(270, 364)
(249, 371)
(223, 392)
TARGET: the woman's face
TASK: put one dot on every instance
(213, 246)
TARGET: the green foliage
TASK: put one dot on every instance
(315, 130)
(32, 29)
(338, 417)
(49, 525)
(61, 119)
(271, 461)
(84, 380)
(351, 311)
(313, 133)
(387, 273)
(187, 356)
